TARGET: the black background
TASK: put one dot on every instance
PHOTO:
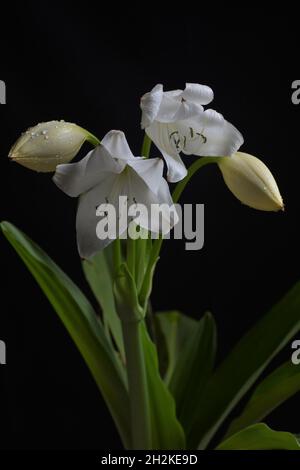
(76, 64)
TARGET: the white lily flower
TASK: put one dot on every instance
(176, 122)
(250, 180)
(44, 146)
(106, 173)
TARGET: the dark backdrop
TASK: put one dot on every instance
(80, 66)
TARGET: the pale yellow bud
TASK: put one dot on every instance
(251, 181)
(46, 145)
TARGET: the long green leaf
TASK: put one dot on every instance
(99, 277)
(80, 320)
(242, 367)
(260, 437)
(167, 432)
(173, 334)
(194, 366)
(283, 383)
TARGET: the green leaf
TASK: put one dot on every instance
(260, 437)
(243, 366)
(99, 276)
(167, 432)
(283, 383)
(194, 366)
(173, 332)
(80, 320)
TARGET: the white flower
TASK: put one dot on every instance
(176, 122)
(44, 146)
(251, 182)
(106, 173)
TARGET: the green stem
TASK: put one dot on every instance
(137, 384)
(131, 256)
(142, 245)
(146, 146)
(92, 139)
(117, 254)
(191, 171)
(147, 281)
(141, 258)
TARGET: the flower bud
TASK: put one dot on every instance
(46, 145)
(251, 181)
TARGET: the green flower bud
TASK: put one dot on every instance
(251, 182)
(43, 147)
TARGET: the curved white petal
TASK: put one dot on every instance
(161, 135)
(116, 144)
(150, 170)
(174, 105)
(158, 219)
(176, 168)
(150, 104)
(188, 110)
(211, 135)
(177, 94)
(198, 94)
(170, 104)
(77, 178)
(164, 196)
(86, 222)
(172, 109)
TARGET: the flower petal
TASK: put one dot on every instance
(77, 178)
(188, 110)
(169, 107)
(116, 144)
(150, 170)
(107, 192)
(158, 219)
(150, 104)
(173, 109)
(212, 135)
(198, 94)
(160, 134)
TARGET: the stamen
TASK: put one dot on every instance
(203, 137)
(173, 133)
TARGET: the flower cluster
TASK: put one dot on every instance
(177, 123)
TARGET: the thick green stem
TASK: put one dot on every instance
(146, 146)
(131, 255)
(138, 387)
(147, 281)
